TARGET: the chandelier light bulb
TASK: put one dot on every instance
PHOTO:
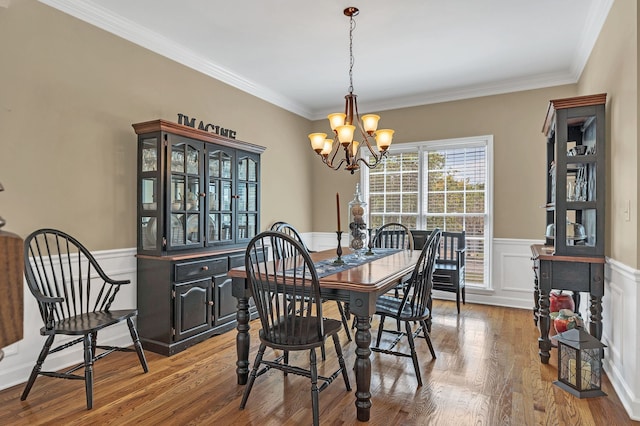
(317, 141)
(384, 138)
(327, 148)
(370, 123)
(336, 119)
(354, 148)
(345, 133)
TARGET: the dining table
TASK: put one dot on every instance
(358, 283)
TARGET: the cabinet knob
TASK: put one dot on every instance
(210, 303)
(202, 194)
(235, 196)
(205, 268)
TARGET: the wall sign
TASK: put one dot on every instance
(212, 128)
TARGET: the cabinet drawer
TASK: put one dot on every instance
(200, 268)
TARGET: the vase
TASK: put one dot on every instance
(560, 300)
(565, 320)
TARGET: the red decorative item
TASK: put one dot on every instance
(560, 300)
(566, 320)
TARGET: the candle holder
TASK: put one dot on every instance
(339, 260)
(370, 245)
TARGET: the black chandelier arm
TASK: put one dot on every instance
(378, 159)
(329, 161)
(373, 152)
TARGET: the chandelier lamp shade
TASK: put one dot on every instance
(348, 126)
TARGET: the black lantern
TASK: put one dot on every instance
(579, 363)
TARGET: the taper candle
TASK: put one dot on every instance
(338, 208)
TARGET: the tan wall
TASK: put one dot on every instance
(613, 68)
(515, 120)
(69, 93)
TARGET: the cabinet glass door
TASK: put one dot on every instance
(219, 227)
(247, 197)
(185, 195)
(579, 154)
(148, 193)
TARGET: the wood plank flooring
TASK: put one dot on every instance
(487, 373)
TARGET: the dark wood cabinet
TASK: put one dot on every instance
(576, 148)
(579, 274)
(572, 257)
(185, 299)
(198, 207)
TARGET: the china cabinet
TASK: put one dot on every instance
(572, 257)
(575, 132)
(198, 207)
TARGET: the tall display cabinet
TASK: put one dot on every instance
(198, 207)
(572, 257)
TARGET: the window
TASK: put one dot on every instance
(445, 184)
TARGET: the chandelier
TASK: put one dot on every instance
(344, 125)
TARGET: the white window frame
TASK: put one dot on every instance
(469, 142)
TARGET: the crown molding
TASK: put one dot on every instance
(128, 30)
(460, 93)
(595, 20)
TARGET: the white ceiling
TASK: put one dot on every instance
(295, 53)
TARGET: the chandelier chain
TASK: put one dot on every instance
(351, 59)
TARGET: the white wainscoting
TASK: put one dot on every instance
(621, 333)
(511, 286)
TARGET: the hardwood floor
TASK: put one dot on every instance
(487, 373)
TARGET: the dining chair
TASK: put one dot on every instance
(275, 284)
(393, 235)
(293, 232)
(449, 274)
(414, 307)
(398, 236)
(74, 297)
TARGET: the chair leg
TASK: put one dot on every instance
(414, 354)
(314, 387)
(430, 319)
(136, 343)
(88, 368)
(323, 352)
(464, 296)
(458, 300)
(345, 376)
(38, 367)
(345, 321)
(286, 361)
(252, 376)
(428, 339)
(94, 343)
(380, 330)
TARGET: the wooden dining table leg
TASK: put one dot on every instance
(363, 368)
(239, 289)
